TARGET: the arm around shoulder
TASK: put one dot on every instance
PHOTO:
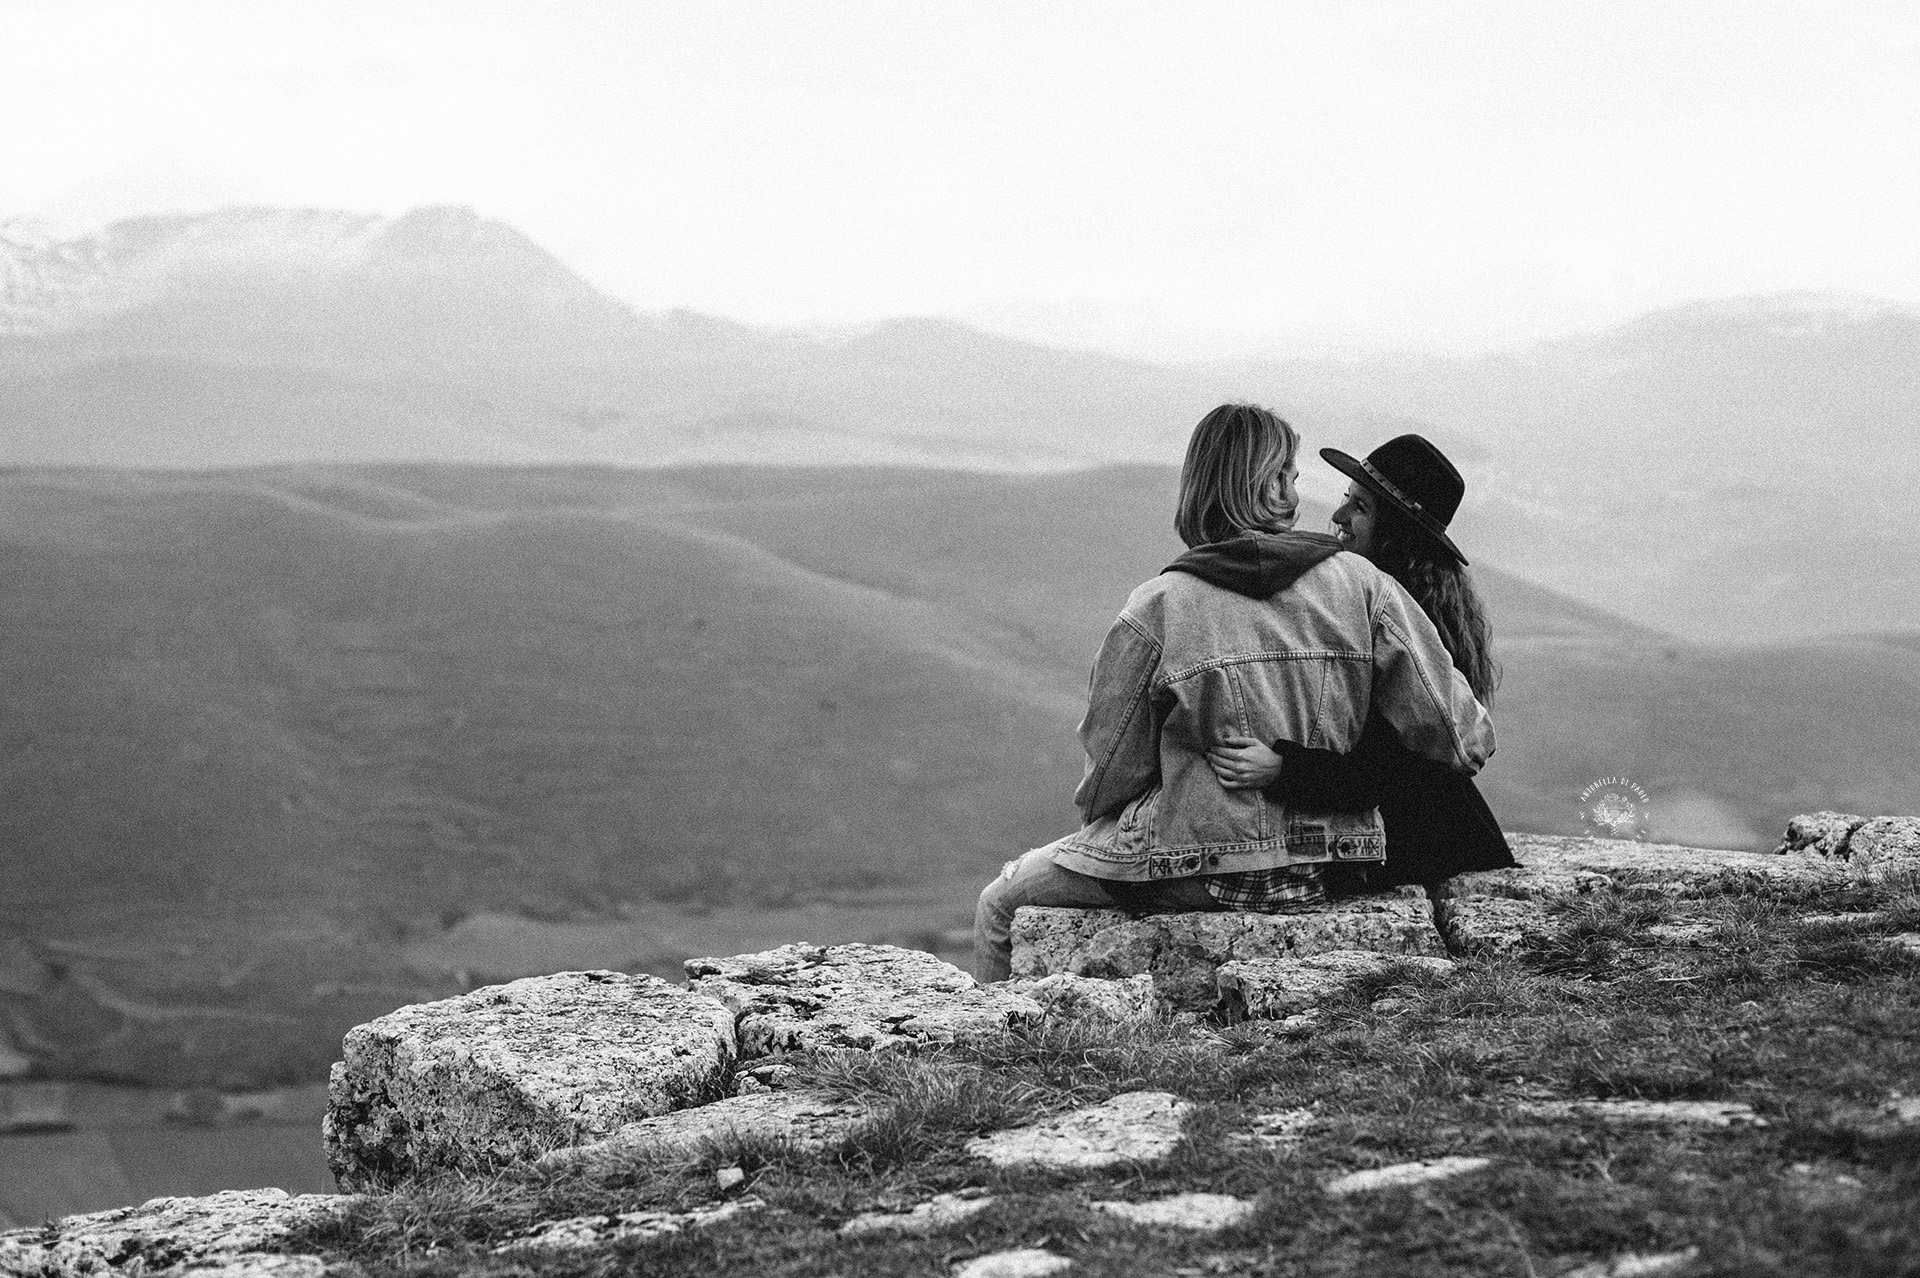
(1418, 692)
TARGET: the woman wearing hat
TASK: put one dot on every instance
(1403, 496)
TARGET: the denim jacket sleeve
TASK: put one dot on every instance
(1417, 691)
(1119, 733)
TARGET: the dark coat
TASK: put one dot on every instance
(1437, 823)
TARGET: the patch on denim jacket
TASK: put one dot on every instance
(1343, 837)
(1164, 866)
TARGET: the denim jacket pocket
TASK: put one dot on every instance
(1135, 829)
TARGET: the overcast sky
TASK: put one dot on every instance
(1172, 178)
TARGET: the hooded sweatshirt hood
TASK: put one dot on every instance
(1257, 564)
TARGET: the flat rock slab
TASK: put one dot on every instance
(939, 1212)
(514, 1071)
(228, 1229)
(804, 1120)
(1026, 1262)
(578, 1233)
(253, 1264)
(1065, 996)
(1202, 1213)
(1680, 871)
(1182, 952)
(802, 997)
(1635, 1264)
(1134, 1127)
(1486, 924)
(1425, 1171)
(1273, 989)
(1644, 1113)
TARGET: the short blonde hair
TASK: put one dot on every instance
(1225, 485)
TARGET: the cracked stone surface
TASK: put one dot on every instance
(1484, 924)
(513, 1071)
(1683, 871)
(1420, 1172)
(806, 1120)
(1182, 952)
(1273, 989)
(1023, 1262)
(1645, 1113)
(1090, 998)
(240, 1230)
(1884, 847)
(937, 1213)
(1134, 1127)
(801, 997)
(1202, 1213)
(580, 1232)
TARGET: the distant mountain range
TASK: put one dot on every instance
(1732, 469)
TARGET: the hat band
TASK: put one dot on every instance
(1393, 490)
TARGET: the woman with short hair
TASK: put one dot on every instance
(1261, 633)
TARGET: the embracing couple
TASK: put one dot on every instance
(1279, 714)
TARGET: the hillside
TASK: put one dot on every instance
(272, 732)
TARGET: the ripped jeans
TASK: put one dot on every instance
(1034, 879)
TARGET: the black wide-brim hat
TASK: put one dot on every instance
(1415, 478)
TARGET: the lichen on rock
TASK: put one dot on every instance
(513, 1071)
(1884, 847)
(803, 1120)
(801, 997)
(1183, 952)
(1271, 989)
(244, 1230)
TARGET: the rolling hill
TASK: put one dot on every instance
(268, 728)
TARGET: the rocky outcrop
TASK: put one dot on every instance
(513, 1071)
(1184, 952)
(1820, 834)
(240, 1231)
(1273, 989)
(801, 997)
(1884, 847)
(1090, 998)
(1500, 910)
(1874, 849)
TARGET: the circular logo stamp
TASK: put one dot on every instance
(1615, 808)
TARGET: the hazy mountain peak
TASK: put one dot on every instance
(436, 284)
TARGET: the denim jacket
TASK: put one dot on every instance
(1190, 662)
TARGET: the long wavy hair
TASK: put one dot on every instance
(1439, 584)
(1226, 485)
